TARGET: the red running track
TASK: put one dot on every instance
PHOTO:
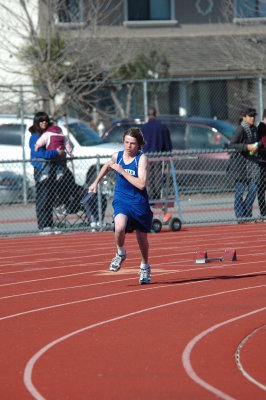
(70, 329)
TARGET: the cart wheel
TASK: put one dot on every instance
(175, 224)
(156, 225)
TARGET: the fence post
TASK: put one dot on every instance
(183, 99)
(260, 97)
(25, 200)
(145, 99)
(99, 193)
(176, 190)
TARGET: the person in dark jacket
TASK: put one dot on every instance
(156, 134)
(158, 139)
(262, 153)
(45, 188)
(245, 169)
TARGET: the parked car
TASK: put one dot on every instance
(84, 140)
(198, 143)
(11, 188)
(187, 133)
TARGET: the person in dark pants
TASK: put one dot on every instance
(245, 169)
(45, 186)
(262, 180)
(158, 139)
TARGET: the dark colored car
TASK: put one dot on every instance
(187, 133)
(199, 145)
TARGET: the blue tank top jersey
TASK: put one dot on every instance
(125, 190)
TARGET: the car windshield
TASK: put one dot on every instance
(84, 134)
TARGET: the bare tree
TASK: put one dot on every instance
(151, 64)
(64, 56)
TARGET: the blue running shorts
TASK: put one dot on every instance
(139, 214)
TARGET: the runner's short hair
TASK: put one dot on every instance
(135, 133)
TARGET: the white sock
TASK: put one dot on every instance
(144, 266)
(121, 251)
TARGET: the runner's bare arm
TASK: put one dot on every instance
(141, 181)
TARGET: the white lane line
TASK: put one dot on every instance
(172, 263)
(48, 260)
(168, 248)
(113, 295)
(248, 274)
(238, 361)
(86, 264)
(37, 269)
(49, 278)
(190, 346)
(100, 271)
(31, 363)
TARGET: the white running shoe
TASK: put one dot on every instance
(56, 231)
(145, 275)
(117, 262)
(46, 231)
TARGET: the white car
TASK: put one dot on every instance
(84, 141)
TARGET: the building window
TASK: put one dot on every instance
(250, 8)
(148, 10)
(70, 11)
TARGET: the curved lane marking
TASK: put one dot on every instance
(31, 363)
(239, 364)
(188, 349)
(112, 295)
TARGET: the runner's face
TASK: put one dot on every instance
(131, 145)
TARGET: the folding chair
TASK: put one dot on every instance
(68, 212)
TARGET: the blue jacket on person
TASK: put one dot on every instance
(41, 153)
(156, 136)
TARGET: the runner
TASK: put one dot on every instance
(131, 203)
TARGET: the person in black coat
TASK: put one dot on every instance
(246, 170)
(262, 153)
(158, 139)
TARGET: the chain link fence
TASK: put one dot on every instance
(195, 187)
(221, 97)
(205, 187)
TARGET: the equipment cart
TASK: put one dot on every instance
(166, 207)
